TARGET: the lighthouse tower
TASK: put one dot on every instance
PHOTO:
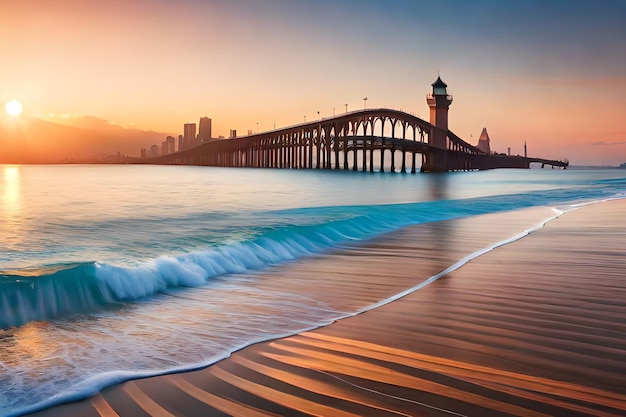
(439, 102)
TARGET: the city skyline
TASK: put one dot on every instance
(549, 74)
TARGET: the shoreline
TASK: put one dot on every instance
(416, 239)
(139, 389)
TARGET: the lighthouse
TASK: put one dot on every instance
(439, 102)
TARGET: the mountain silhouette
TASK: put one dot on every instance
(80, 139)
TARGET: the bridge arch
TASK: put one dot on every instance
(351, 140)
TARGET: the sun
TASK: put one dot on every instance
(13, 108)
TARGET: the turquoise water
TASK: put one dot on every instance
(112, 272)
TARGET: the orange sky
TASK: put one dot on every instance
(549, 73)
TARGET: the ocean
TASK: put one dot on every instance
(114, 272)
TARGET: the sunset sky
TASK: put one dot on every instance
(549, 72)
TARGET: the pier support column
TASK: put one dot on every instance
(364, 156)
(310, 151)
(435, 161)
(318, 153)
(329, 153)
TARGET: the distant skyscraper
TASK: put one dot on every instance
(204, 130)
(189, 134)
(154, 151)
(181, 143)
(143, 153)
(171, 144)
(484, 143)
(233, 133)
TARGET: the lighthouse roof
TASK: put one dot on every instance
(439, 88)
(439, 83)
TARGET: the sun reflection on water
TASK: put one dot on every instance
(11, 204)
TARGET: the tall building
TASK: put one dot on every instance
(484, 142)
(171, 144)
(154, 151)
(233, 133)
(204, 130)
(189, 135)
(181, 143)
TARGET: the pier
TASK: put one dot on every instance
(359, 141)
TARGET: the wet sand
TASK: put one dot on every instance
(535, 327)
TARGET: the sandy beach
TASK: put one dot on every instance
(536, 327)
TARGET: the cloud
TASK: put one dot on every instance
(608, 143)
